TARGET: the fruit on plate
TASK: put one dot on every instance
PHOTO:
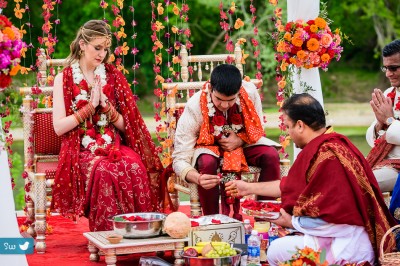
(198, 249)
(207, 248)
(191, 252)
(202, 244)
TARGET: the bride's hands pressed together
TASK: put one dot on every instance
(96, 92)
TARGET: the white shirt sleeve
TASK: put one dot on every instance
(186, 135)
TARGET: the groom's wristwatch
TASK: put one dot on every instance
(390, 120)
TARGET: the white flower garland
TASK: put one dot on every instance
(78, 76)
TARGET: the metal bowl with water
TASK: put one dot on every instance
(222, 261)
(151, 227)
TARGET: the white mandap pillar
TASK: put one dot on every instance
(8, 221)
(305, 10)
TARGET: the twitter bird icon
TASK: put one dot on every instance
(17, 245)
(24, 246)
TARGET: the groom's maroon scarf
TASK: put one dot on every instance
(331, 180)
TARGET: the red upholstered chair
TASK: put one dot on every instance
(41, 149)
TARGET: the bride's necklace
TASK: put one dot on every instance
(90, 84)
(78, 75)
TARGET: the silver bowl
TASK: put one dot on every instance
(222, 261)
(140, 229)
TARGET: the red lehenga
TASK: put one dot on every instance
(121, 179)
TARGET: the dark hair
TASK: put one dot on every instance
(306, 108)
(226, 79)
(391, 48)
(90, 30)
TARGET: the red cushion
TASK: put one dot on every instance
(49, 168)
(45, 140)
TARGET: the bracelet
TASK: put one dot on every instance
(106, 109)
(76, 118)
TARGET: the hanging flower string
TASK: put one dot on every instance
(255, 42)
(165, 59)
(48, 41)
(119, 23)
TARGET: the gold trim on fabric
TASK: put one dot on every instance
(306, 206)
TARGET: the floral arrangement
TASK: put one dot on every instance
(307, 44)
(11, 45)
(306, 257)
(302, 44)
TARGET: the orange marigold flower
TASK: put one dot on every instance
(287, 36)
(175, 9)
(9, 32)
(281, 47)
(320, 22)
(325, 57)
(278, 12)
(301, 54)
(241, 41)
(176, 59)
(284, 66)
(314, 28)
(307, 250)
(15, 70)
(298, 42)
(175, 29)
(19, 11)
(273, 2)
(292, 60)
(298, 262)
(238, 24)
(282, 83)
(160, 9)
(313, 45)
(281, 28)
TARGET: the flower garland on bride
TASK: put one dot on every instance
(96, 134)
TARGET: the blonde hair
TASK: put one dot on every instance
(89, 31)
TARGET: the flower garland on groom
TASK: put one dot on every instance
(241, 119)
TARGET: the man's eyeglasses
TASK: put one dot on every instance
(390, 68)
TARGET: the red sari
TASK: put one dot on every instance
(124, 180)
(331, 180)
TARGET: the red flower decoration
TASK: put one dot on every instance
(81, 103)
(76, 90)
(115, 155)
(107, 90)
(237, 119)
(5, 80)
(91, 132)
(218, 120)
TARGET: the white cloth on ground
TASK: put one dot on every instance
(349, 243)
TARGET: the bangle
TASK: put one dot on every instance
(106, 109)
(76, 118)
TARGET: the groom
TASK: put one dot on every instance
(221, 131)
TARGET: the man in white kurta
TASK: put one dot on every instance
(384, 133)
(198, 162)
